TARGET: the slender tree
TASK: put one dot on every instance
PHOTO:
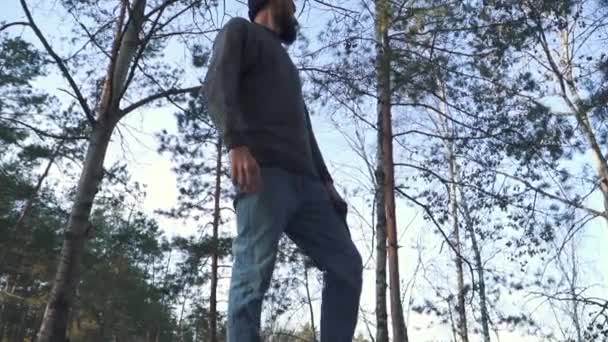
(383, 19)
(138, 27)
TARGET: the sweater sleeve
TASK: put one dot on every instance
(316, 153)
(221, 85)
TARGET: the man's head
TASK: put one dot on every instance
(281, 14)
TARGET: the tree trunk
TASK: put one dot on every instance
(30, 201)
(452, 324)
(312, 312)
(454, 171)
(214, 256)
(381, 313)
(481, 286)
(568, 82)
(181, 319)
(461, 308)
(55, 320)
(383, 66)
(575, 304)
(598, 158)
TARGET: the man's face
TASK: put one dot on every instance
(284, 17)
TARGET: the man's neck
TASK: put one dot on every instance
(264, 18)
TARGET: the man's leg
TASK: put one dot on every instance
(323, 235)
(261, 219)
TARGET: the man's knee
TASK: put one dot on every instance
(351, 271)
(255, 275)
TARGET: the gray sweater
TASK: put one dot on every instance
(254, 96)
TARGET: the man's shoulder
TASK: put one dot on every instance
(238, 24)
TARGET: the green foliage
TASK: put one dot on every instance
(119, 295)
(23, 61)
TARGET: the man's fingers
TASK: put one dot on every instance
(246, 172)
(242, 182)
(247, 177)
(252, 175)
(233, 173)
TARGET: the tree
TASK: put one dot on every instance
(199, 157)
(361, 72)
(125, 61)
(552, 36)
(383, 18)
(118, 297)
(27, 230)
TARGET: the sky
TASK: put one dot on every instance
(148, 167)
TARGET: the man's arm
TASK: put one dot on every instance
(221, 91)
(221, 85)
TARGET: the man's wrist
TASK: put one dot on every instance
(237, 147)
(235, 140)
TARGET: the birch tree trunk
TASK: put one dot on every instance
(453, 171)
(55, 320)
(582, 115)
(481, 282)
(570, 94)
(576, 320)
(461, 308)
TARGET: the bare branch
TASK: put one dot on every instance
(42, 133)
(427, 210)
(553, 197)
(162, 94)
(60, 64)
(335, 7)
(16, 23)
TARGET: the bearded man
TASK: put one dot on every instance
(254, 95)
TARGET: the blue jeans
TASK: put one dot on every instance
(301, 208)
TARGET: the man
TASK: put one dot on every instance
(254, 95)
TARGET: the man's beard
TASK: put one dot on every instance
(288, 27)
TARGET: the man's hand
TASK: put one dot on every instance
(245, 170)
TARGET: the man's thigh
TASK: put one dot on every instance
(261, 219)
(323, 235)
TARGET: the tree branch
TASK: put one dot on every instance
(42, 133)
(438, 226)
(335, 7)
(60, 64)
(553, 197)
(155, 97)
(6, 26)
